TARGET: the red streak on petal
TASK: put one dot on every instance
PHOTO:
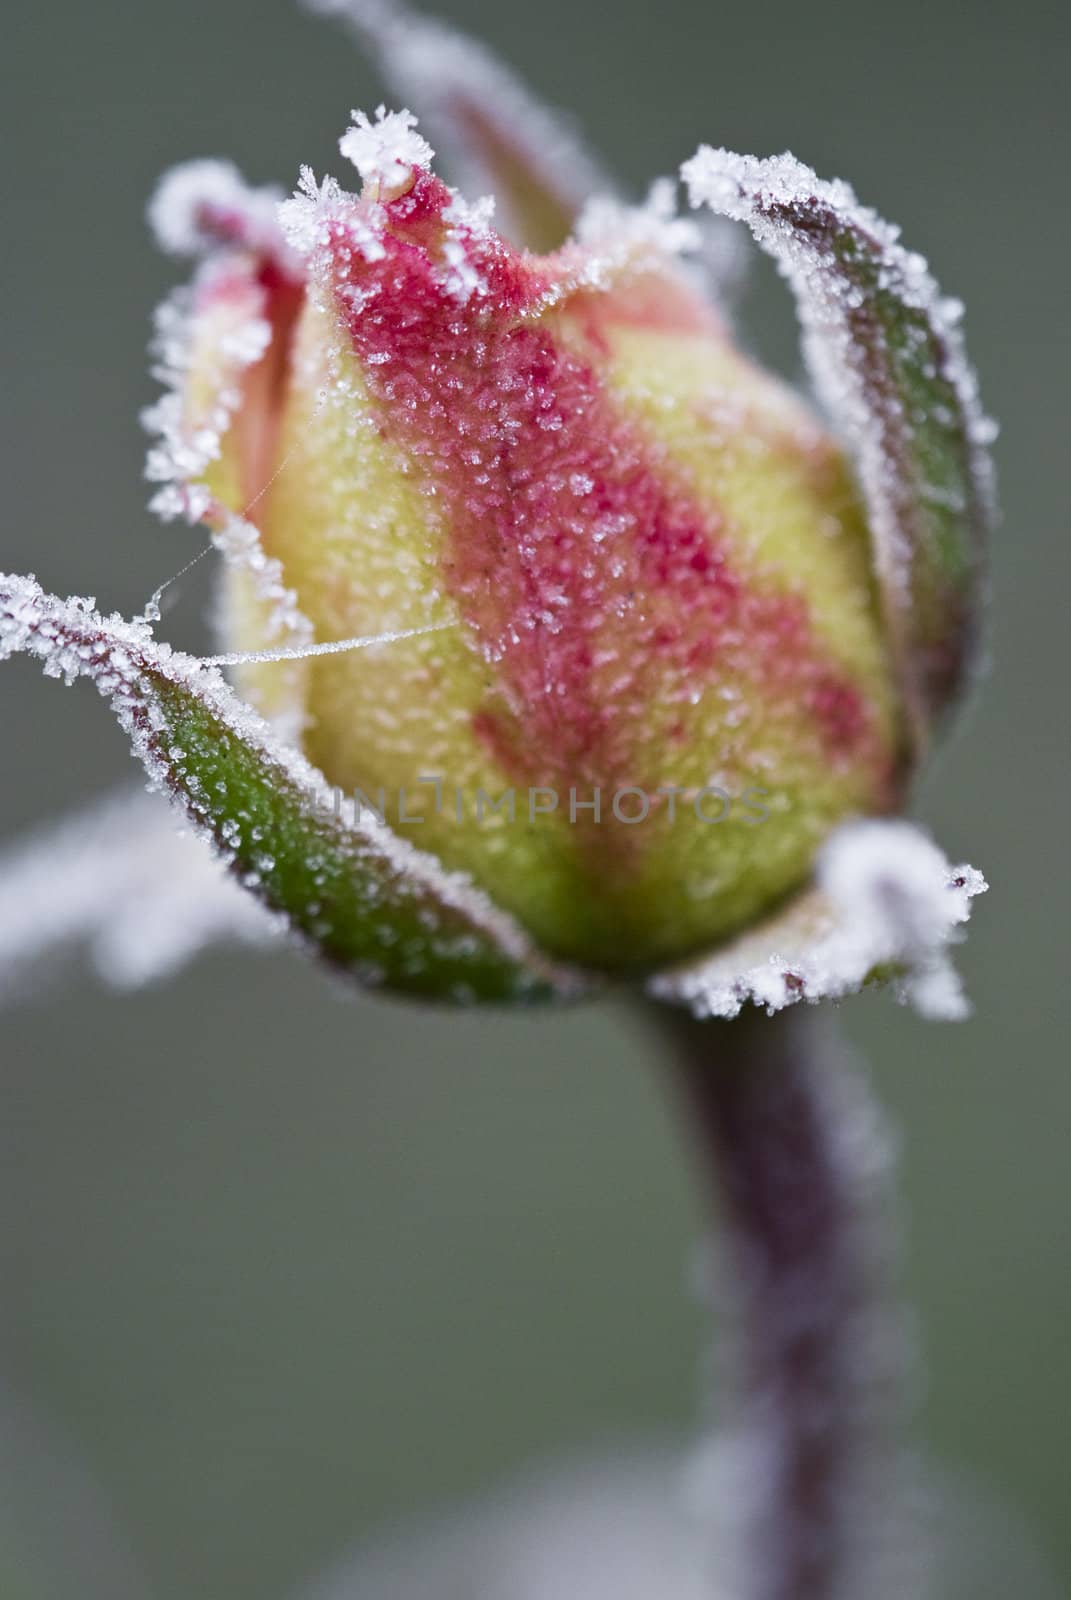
(599, 589)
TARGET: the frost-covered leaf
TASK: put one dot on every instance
(886, 354)
(122, 878)
(886, 905)
(495, 132)
(365, 900)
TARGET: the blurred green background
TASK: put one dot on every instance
(279, 1265)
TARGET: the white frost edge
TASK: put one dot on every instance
(72, 640)
(619, 235)
(143, 896)
(430, 64)
(885, 896)
(238, 541)
(181, 453)
(737, 187)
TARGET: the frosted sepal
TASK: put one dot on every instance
(366, 901)
(886, 355)
(886, 906)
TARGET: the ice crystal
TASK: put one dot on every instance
(306, 217)
(314, 208)
(386, 151)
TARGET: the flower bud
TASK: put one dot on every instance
(661, 676)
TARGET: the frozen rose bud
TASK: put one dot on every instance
(575, 640)
(667, 646)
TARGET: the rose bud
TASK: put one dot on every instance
(648, 636)
(667, 644)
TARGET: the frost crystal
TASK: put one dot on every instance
(143, 896)
(309, 215)
(386, 151)
(887, 902)
(474, 215)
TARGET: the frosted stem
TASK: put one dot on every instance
(795, 1159)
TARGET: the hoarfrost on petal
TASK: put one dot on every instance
(282, 622)
(618, 234)
(475, 215)
(306, 216)
(207, 337)
(314, 209)
(143, 896)
(886, 903)
(186, 441)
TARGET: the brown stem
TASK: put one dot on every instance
(796, 1162)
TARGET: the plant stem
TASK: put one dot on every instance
(797, 1164)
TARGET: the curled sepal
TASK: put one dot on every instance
(885, 907)
(886, 355)
(492, 130)
(368, 902)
